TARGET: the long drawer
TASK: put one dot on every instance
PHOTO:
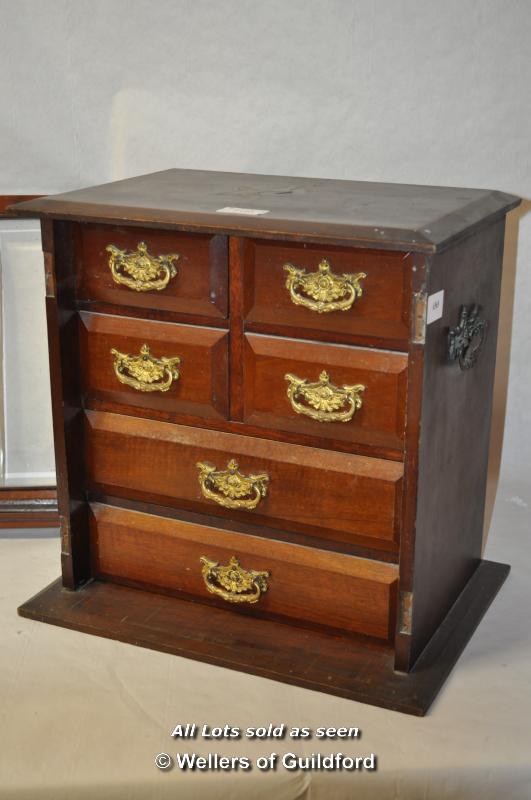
(327, 494)
(233, 569)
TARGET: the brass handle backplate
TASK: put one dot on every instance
(322, 400)
(323, 291)
(230, 488)
(144, 372)
(140, 271)
(232, 583)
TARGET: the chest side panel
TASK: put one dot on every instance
(455, 427)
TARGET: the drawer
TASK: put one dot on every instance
(151, 367)
(333, 392)
(321, 493)
(194, 282)
(314, 299)
(271, 579)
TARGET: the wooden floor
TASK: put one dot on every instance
(359, 670)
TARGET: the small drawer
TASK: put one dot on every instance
(156, 368)
(333, 293)
(327, 391)
(236, 570)
(321, 493)
(183, 273)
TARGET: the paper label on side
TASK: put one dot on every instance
(435, 307)
(248, 212)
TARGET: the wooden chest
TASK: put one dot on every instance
(272, 402)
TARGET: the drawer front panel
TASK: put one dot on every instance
(320, 493)
(382, 310)
(195, 282)
(335, 392)
(326, 588)
(184, 372)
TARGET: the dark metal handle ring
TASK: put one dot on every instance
(465, 341)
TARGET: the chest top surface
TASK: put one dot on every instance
(382, 215)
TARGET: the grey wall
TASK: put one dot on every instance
(419, 91)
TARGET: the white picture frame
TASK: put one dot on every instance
(26, 433)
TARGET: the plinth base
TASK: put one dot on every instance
(355, 668)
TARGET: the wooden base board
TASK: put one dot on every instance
(357, 669)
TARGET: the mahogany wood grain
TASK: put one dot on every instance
(200, 286)
(305, 584)
(421, 266)
(237, 289)
(67, 414)
(202, 386)
(7, 200)
(354, 667)
(244, 429)
(248, 526)
(454, 436)
(379, 422)
(158, 314)
(359, 340)
(381, 313)
(403, 481)
(392, 216)
(336, 495)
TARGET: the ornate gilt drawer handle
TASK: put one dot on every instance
(230, 488)
(232, 583)
(323, 291)
(140, 271)
(144, 372)
(322, 400)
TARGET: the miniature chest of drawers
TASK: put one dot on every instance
(272, 402)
